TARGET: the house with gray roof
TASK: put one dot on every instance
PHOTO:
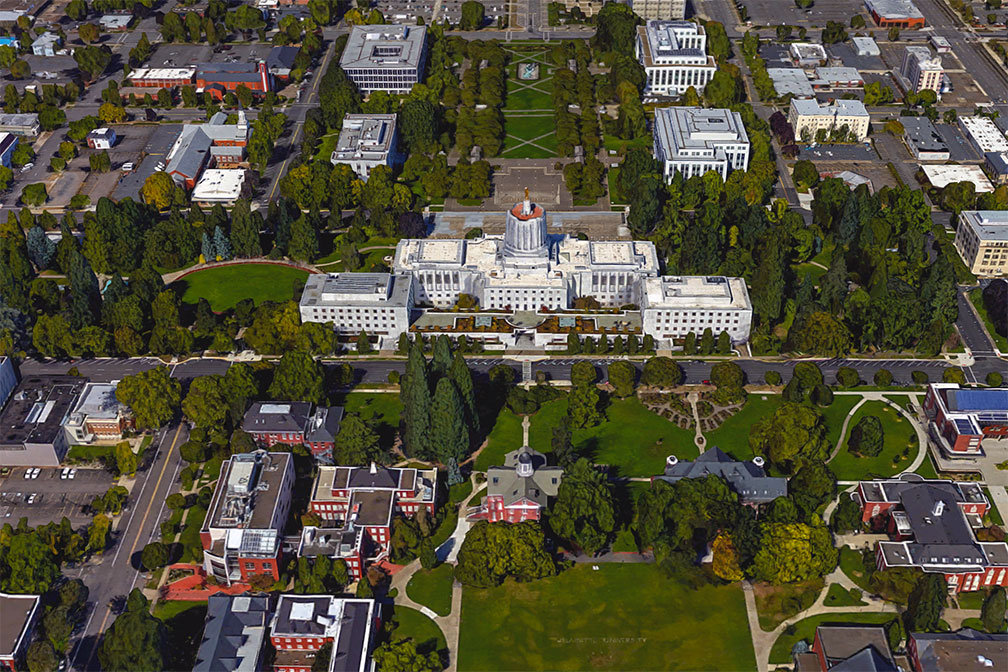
(520, 489)
(234, 633)
(747, 479)
(848, 647)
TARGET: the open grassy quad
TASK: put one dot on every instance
(224, 286)
(382, 409)
(835, 413)
(733, 435)
(505, 436)
(432, 588)
(621, 617)
(899, 435)
(411, 624)
(776, 604)
(538, 128)
(780, 654)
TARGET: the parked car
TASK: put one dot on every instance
(65, 473)
(72, 474)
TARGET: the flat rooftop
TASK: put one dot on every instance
(692, 128)
(989, 225)
(365, 136)
(985, 134)
(15, 612)
(943, 175)
(248, 491)
(839, 108)
(356, 289)
(98, 400)
(922, 134)
(219, 184)
(384, 46)
(696, 291)
(894, 9)
(37, 410)
(791, 80)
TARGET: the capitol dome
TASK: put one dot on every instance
(525, 230)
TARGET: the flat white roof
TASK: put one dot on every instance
(940, 176)
(219, 184)
(985, 134)
(162, 73)
(989, 225)
(838, 108)
(696, 291)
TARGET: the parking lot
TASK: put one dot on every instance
(785, 12)
(154, 150)
(54, 497)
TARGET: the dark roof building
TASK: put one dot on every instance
(280, 60)
(965, 650)
(922, 139)
(294, 423)
(747, 479)
(234, 633)
(520, 489)
(303, 623)
(31, 425)
(849, 648)
(18, 614)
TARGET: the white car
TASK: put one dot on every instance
(35, 472)
(31, 499)
(72, 474)
(26, 167)
(65, 474)
(27, 474)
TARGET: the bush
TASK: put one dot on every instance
(866, 437)
(773, 378)
(994, 379)
(822, 395)
(154, 555)
(919, 377)
(954, 374)
(883, 378)
(847, 377)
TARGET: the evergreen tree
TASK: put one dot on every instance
(245, 227)
(449, 436)
(207, 248)
(462, 377)
(40, 248)
(454, 473)
(85, 299)
(303, 244)
(222, 246)
(415, 395)
(442, 357)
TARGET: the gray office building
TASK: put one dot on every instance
(385, 58)
(31, 425)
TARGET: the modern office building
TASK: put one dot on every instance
(18, 614)
(385, 57)
(895, 13)
(984, 134)
(234, 633)
(366, 141)
(967, 422)
(31, 425)
(674, 306)
(809, 116)
(303, 624)
(982, 241)
(922, 139)
(243, 528)
(661, 10)
(523, 282)
(922, 69)
(693, 140)
(674, 56)
(930, 526)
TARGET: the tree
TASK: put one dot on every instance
(154, 555)
(98, 532)
(584, 513)
(418, 123)
(161, 191)
(41, 657)
(473, 15)
(726, 563)
(299, 377)
(402, 655)
(136, 639)
(846, 516)
(357, 443)
(954, 374)
(819, 333)
(30, 563)
(449, 435)
(245, 228)
(363, 343)
(88, 32)
(833, 33)
(925, 604)
(583, 406)
(34, 194)
(805, 174)
(793, 436)
(493, 551)
(622, 376)
(205, 404)
(20, 69)
(126, 459)
(303, 244)
(462, 377)
(992, 613)
(414, 392)
(152, 395)
(848, 377)
(662, 372)
(92, 60)
(866, 437)
(729, 379)
(791, 552)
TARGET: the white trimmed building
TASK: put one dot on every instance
(922, 70)
(984, 134)
(385, 58)
(674, 56)
(673, 306)
(808, 116)
(982, 241)
(693, 140)
(366, 141)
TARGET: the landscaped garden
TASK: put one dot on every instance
(411, 624)
(225, 286)
(529, 126)
(618, 617)
(898, 451)
(776, 604)
(432, 588)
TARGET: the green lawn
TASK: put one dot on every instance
(518, 127)
(433, 588)
(611, 142)
(801, 270)
(835, 413)
(733, 435)
(411, 624)
(780, 654)
(899, 435)
(224, 286)
(927, 468)
(976, 298)
(996, 516)
(539, 97)
(851, 565)
(327, 145)
(972, 600)
(776, 604)
(838, 596)
(184, 621)
(505, 436)
(621, 617)
(381, 409)
(615, 196)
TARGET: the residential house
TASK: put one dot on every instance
(848, 647)
(46, 44)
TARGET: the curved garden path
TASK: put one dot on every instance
(922, 440)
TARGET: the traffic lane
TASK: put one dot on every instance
(970, 329)
(101, 369)
(192, 368)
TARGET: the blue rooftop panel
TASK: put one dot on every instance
(979, 400)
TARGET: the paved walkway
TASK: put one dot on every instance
(922, 439)
(699, 439)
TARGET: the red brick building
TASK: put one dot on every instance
(964, 649)
(294, 423)
(964, 421)
(218, 79)
(302, 624)
(18, 615)
(368, 498)
(930, 525)
(895, 13)
(519, 490)
(243, 529)
(848, 647)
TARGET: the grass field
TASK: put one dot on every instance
(838, 596)
(384, 410)
(224, 286)
(433, 588)
(899, 435)
(518, 127)
(835, 413)
(184, 621)
(851, 565)
(538, 97)
(976, 298)
(411, 624)
(801, 270)
(733, 435)
(776, 604)
(505, 436)
(805, 629)
(621, 617)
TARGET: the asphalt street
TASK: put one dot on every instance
(116, 572)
